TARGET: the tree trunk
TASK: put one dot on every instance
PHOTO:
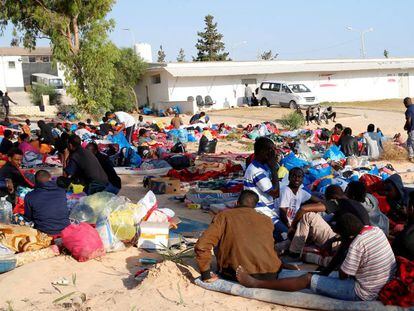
(135, 97)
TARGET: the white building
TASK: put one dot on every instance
(164, 85)
(17, 64)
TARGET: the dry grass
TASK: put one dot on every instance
(393, 152)
(393, 104)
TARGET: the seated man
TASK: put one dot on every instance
(357, 191)
(176, 122)
(241, 236)
(403, 244)
(11, 174)
(309, 226)
(368, 266)
(292, 198)
(106, 164)
(84, 168)
(46, 205)
(261, 177)
(336, 134)
(397, 198)
(200, 118)
(141, 122)
(6, 143)
(329, 114)
(348, 143)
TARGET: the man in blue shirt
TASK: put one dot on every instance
(46, 205)
(409, 127)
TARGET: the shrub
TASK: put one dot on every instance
(37, 91)
(292, 121)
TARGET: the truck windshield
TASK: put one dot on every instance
(57, 83)
(299, 88)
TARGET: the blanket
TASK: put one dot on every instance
(22, 238)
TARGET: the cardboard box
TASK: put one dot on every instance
(165, 185)
(153, 235)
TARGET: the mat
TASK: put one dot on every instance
(295, 299)
(137, 171)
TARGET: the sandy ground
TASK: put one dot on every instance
(108, 283)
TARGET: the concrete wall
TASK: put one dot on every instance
(228, 91)
(11, 79)
(156, 92)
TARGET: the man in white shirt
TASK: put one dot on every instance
(124, 122)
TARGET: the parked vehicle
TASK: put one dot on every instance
(294, 95)
(49, 80)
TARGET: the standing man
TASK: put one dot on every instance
(5, 100)
(125, 121)
(247, 95)
(409, 127)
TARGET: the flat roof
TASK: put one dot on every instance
(19, 51)
(230, 68)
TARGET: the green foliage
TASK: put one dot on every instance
(268, 55)
(292, 121)
(210, 46)
(161, 55)
(128, 70)
(181, 56)
(77, 31)
(38, 90)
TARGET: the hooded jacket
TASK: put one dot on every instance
(47, 207)
(397, 212)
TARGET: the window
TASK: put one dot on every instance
(275, 87)
(12, 65)
(265, 86)
(249, 81)
(32, 59)
(46, 59)
(156, 79)
(285, 89)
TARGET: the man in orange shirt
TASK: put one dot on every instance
(336, 135)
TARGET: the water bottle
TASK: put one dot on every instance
(6, 211)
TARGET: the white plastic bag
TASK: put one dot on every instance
(109, 240)
(145, 205)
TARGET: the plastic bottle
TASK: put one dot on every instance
(6, 211)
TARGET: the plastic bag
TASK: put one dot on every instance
(109, 239)
(334, 154)
(291, 161)
(145, 207)
(319, 172)
(304, 151)
(123, 223)
(207, 146)
(82, 241)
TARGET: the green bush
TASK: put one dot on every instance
(292, 121)
(38, 90)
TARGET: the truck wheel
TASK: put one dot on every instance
(292, 104)
(264, 102)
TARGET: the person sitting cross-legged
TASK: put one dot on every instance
(46, 205)
(368, 266)
(240, 236)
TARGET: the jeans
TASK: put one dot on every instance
(410, 144)
(280, 228)
(334, 287)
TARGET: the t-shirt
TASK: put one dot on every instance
(258, 178)
(409, 113)
(371, 261)
(349, 145)
(5, 146)
(335, 139)
(125, 118)
(292, 202)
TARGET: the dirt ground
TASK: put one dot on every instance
(108, 283)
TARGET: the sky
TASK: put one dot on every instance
(295, 29)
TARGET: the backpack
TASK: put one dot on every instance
(178, 161)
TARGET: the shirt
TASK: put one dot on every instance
(371, 261)
(342, 206)
(125, 118)
(349, 145)
(240, 236)
(292, 202)
(258, 178)
(409, 113)
(5, 146)
(85, 168)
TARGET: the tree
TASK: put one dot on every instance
(77, 31)
(268, 55)
(386, 54)
(181, 56)
(128, 70)
(161, 55)
(15, 38)
(210, 46)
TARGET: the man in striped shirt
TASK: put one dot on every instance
(368, 266)
(261, 177)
